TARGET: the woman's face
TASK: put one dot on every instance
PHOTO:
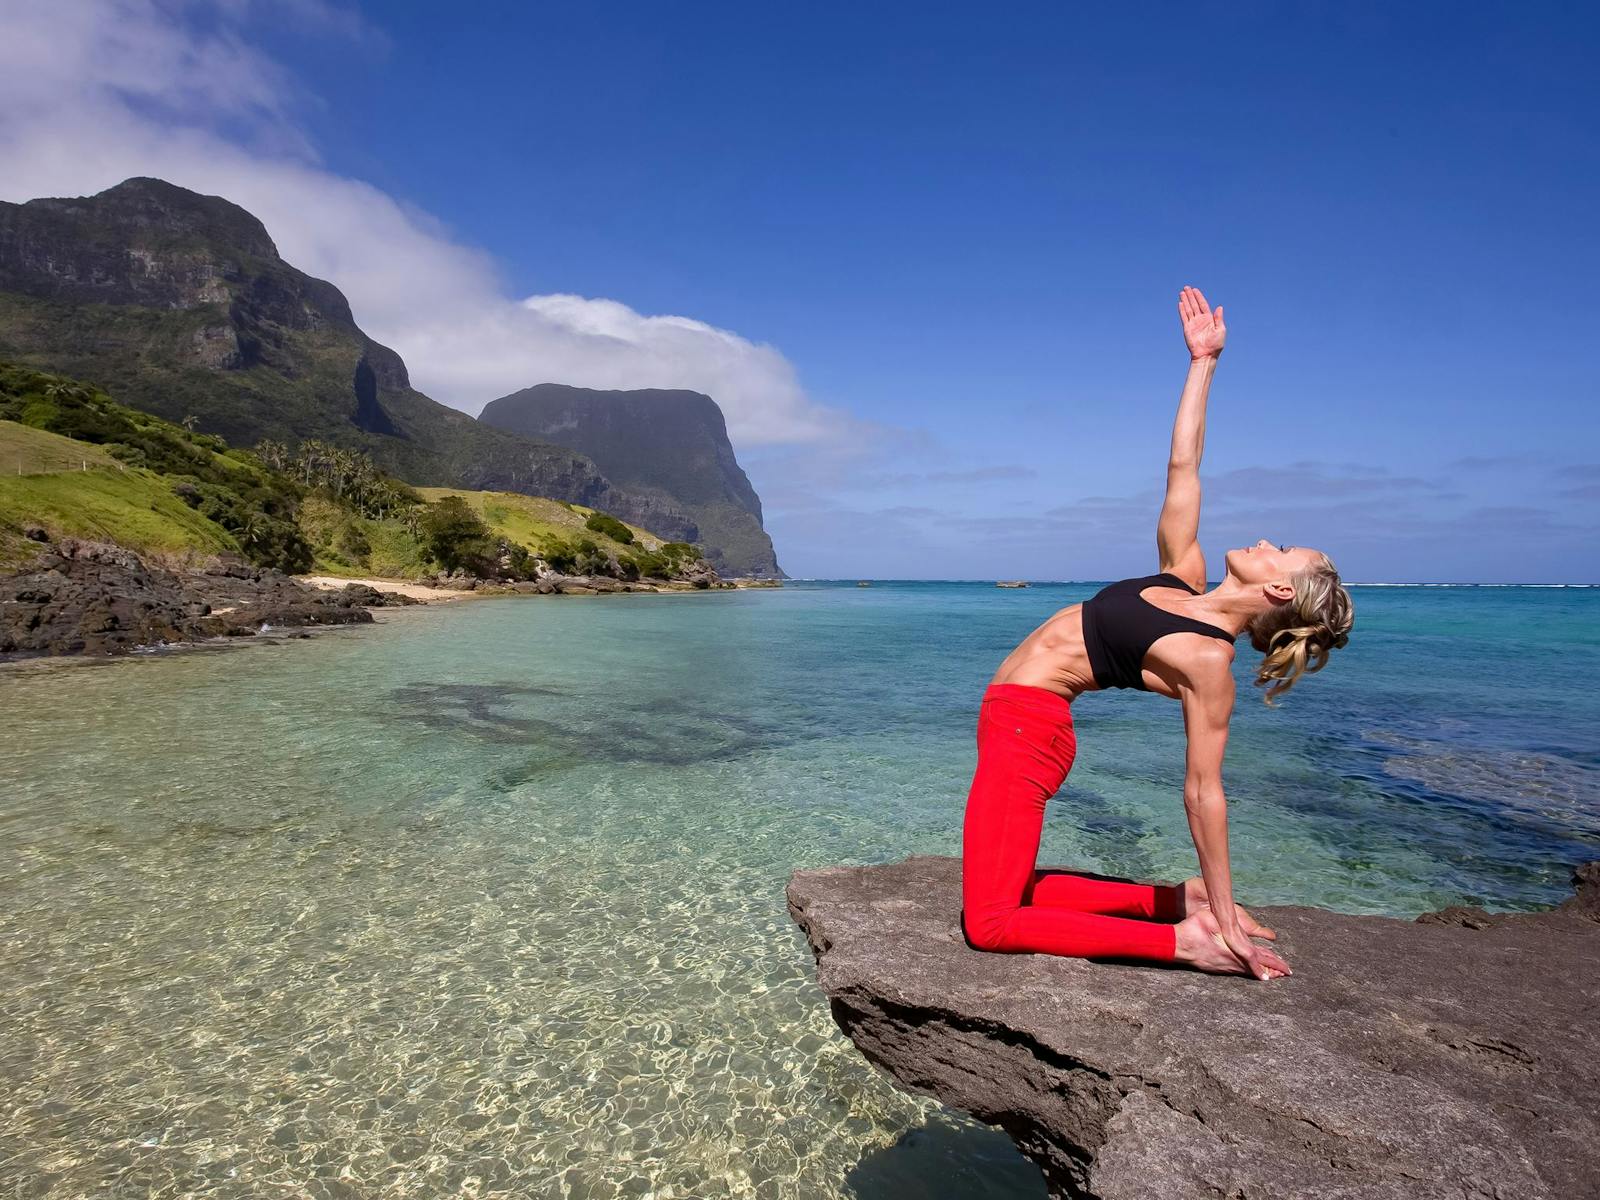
(1269, 562)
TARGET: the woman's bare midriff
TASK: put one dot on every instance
(1052, 657)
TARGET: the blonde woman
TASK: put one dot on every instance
(1161, 633)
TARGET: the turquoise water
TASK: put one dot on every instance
(489, 900)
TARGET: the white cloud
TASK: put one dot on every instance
(95, 91)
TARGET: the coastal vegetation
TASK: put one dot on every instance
(572, 538)
(605, 523)
(78, 464)
(145, 472)
(75, 489)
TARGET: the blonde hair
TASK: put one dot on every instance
(1298, 636)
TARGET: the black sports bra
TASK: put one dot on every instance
(1119, 627)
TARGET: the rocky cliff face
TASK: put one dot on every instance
(671, 446)
(179, 304)
(1449, 1056)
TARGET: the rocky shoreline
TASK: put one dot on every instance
(93, 599)
(1447, 1056)
(96, 599)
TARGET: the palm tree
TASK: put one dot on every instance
(273, 454)
(253, 529)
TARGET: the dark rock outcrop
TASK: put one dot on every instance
(179, 304)
(90, 598)
(666, 447)
(1411, 1059)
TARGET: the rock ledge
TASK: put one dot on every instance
(1450, 1056)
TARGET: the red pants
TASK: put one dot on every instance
(1026, 745)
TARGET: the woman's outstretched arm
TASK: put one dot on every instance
(1177, 533)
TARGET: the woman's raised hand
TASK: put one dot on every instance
(1203, 329)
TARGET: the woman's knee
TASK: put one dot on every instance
(986, 931)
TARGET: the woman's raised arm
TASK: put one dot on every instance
(1177, 533)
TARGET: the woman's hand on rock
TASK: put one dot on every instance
(1202, 944)
(1258, 961)
(1195, 898)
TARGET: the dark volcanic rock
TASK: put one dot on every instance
(94, 599)
(366, 596)
(85, 598)
(668, 449)
(1402, 1058)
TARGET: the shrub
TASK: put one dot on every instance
(561, 556)
(267, 540)
(614, 529)
(456, 538)
(520, 562)
(667, 561)
(352, 543)
(649, 564)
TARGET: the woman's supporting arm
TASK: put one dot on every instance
(1208, 697)
(1177, 532)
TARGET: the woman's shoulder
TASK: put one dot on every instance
(1137, 583)
(1177, 580)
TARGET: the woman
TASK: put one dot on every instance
(1162, 633)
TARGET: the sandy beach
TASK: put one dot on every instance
(406, 587)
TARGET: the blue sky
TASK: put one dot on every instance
(959, 234)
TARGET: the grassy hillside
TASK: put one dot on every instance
(77, 463)
(28, 451)
(535, 520)
(231, 489)
(569, 537)
(107, 502)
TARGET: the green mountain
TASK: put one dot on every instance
(180, 305)
(669, 445)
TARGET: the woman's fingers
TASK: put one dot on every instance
(1252, 926)
(1247, 922)
(1272, 962)
(1218, 316)
(1261, 959)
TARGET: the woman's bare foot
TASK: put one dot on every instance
(1200, 944)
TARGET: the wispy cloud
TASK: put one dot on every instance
(1375, 523)
(95, 91)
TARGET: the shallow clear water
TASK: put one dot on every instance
(489, 900)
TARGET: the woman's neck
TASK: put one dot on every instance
(1231, 605)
